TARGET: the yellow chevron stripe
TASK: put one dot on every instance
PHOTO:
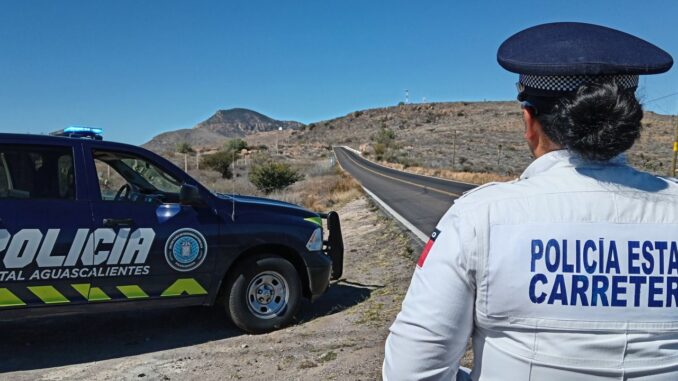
(92, 294)
(189, 286)
(82, 289)
(49, 294)
(8, 299)
(132, 292)
(97, 295)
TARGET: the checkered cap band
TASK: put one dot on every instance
(564, 83)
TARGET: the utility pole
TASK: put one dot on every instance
(498, 156)
(407, 96)
(675, 148)
(454, 148)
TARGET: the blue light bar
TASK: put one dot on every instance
(91, 130)
(80, 132)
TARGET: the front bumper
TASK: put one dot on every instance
(318, 280)
(328, 265)
(334, 245)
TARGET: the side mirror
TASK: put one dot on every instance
(190, 195)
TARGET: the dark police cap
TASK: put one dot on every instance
(554, 59)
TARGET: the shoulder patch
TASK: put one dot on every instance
(427, 248)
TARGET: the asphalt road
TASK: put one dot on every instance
(420, 200)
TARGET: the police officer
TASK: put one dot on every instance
(571, 271)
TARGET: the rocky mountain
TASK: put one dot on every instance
(215, 130)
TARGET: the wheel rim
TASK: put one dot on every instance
(267, 295)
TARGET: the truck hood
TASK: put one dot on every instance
(266, 203)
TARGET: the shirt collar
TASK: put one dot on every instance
(545, 162)
(564, 157)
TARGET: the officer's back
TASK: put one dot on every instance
(571, 271)
(578, 272)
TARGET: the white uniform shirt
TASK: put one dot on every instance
(569, 273)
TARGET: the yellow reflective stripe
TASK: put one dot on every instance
(8, 299)
(315, 220)
(48, 294)
(132, 292)
(675, 146)
(189, 286)
(92, 294)
(82, 289)
(96, 294)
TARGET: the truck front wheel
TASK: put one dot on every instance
(263, 293)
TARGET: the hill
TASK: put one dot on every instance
(465, 137)
(223, 125)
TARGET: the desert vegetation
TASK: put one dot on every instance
(305, 176)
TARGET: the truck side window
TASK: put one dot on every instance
(125, 177)
(109, 180)
(34, 172)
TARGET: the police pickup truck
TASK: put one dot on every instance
(90, 225)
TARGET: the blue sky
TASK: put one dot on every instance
(138, 68)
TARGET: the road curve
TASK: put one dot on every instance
(420, 200)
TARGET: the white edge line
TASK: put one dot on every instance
(409, 173)
(423, 237)
(418, 233)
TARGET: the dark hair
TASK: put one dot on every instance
(598, 122)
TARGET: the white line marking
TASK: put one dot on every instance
(354, 150)
(418, 233)
(423, 237)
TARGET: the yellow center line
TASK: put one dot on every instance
(401, 180)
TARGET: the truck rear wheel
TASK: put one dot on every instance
(263, 293)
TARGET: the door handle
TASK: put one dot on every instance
(118, 222)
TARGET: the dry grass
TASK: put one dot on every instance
(326, 192)
(467, 177)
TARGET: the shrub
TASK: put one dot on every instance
(221, 162)
(385, 136)
(184, 148)
(236, 144)
(269, 176)
(379, 150)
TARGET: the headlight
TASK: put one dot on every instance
(315, 243)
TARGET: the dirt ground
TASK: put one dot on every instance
(339, 337)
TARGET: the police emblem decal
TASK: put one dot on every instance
(185, 249)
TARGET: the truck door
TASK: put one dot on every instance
(45, 222)
(148, 245)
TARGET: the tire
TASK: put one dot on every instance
(263, 293)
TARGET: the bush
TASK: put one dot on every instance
(184, 148)
(269, 176)
(385, 136)
(221, 162)
(236, 145)
(379, 150)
